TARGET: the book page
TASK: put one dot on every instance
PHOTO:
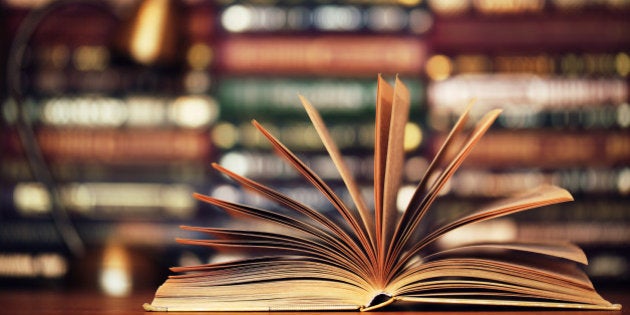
(249, 240)
(365, 215)
(537, 197)
(335, 238)
(384, 101)
(561, 250)
(421, 188)
(514, 274)
(267, 283)
(395, 160)
(364, 243)
(440, 157)
(291, 204)
(418, 208)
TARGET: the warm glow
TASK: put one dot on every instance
(145, 110)
(413, 136)
(404, 196)
(439, 67)
(85, 111)
(623, 115)
(508, 6)
(622, 61)
(449, 7)
(225, 135)
(240, 18)
(623, 182)
(227, 193)
(146, 36)
(498, 230)
(91, 58)
(31, 198)
(115, 274)
(236, 162)
(409, 2)
(24, 265)
(199, 56)
(236, 18)
(139, 197)
(472, 64)
(194, 111)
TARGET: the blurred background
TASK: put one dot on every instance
(112, 112)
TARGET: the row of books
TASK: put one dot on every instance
(94, 71)
(500, 148)
(571, 63)
(88, 206)
(521, 94)
(161, 200)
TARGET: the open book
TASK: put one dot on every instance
(373, 257)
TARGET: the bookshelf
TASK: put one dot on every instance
(128, 142)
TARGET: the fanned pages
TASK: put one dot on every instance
(346, 175)
(364, 259)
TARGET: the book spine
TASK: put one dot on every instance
(586, 181)
(581, 233)
(608, 64)
(300, 136)
(121, 145)
(132, 111)
(317, 17)
(264, 96)
(521, 8)
(341, 55)
(584, 209)
(49, 265)
(266, 166)
(554, 31)
(37, 235)
(16, 169)
(525, 90)
(102, 201)
(599, 117)
(547, 149)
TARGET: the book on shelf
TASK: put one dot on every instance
(553, 31)
(111, 145)
(93, 201)
(519, 90)
(369, 259)
(586, 234)
(325, 18)
(266, 96)
(346, 55)
(576, 63)
(548, 148)
(16, 169)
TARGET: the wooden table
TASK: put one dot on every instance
(22, 302)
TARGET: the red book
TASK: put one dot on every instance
(343, 55)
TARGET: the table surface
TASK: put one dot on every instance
(61, 302)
